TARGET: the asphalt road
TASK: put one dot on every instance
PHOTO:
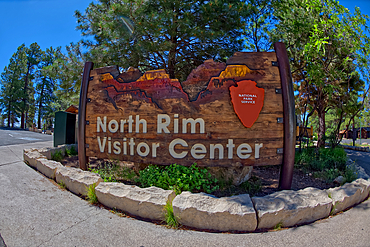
(361, 158)
(18, 136)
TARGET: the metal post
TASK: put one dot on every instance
(286, 174)
(82, 115)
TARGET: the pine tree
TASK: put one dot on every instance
(12, 79)
(34, 54)
(45, 84)
(176, 35)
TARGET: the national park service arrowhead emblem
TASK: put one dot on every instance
(247, 100)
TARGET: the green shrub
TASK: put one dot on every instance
(57, 156)
(71, 152)
(178, 178)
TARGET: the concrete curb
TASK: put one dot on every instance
(237, 213)
(363, 149)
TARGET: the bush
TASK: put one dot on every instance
(325, 163)
(323, 158)
(178, 178)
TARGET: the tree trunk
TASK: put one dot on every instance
(9, 114)
(40, 107)
(25, 89)
(321, 134)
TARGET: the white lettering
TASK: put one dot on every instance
(257, 148)
(162, 126)
(212, 148)
(116, 147)
(115, 123)
(102, 125)
(138, 122)
(138, 149)
(244, 153)
(197, 149)
(154, 149)
(102, 145)
(172, 148)
(230, 145)
(193, 122)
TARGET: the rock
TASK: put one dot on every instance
(235, 173)
(346, 196)
(31, 157)
(77, 180)
(29, 150)
(205, 211)
(290, 208)
(48, 152)
(47, 167)
(365, 184)
(339, 180)
(144, 202)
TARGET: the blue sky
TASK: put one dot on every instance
(51, 23)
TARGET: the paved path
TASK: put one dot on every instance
(35, 212)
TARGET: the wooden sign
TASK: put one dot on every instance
(222, 115)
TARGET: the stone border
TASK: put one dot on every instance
(236, 213)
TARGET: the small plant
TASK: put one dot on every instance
(350, 173)
(62, 185)
(110, 171)
(57, 156)
(178, 178)
(252, 186)
(91, 195)
(334, 207)
(170, 217)
(71, 151)
(278, 226)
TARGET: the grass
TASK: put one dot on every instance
(278, 226)
(62, 185)
(70, 152)
(57, 156)
(91, 195)
(110, 171)
(170, 218)
(252, 186)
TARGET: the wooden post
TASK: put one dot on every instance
(82, 115)
(286, 173)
